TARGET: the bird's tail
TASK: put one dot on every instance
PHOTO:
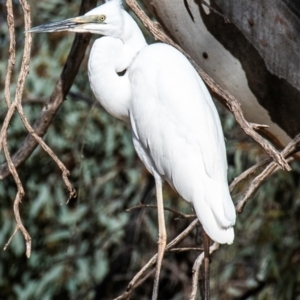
(216, 211)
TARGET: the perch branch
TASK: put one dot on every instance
(231, 102)
(214, 247)
(180, 214)
(152, 261)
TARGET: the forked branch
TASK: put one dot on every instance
(290, 149)
(11, 110)
(33, 139)
(59, 93)
(143, 272)
(197, 264)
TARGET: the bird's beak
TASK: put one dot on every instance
(73, 24)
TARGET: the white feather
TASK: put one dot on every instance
(176, 123)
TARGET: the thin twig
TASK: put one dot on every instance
(290, 149)
(65, 171)
(10, 167)
(178, 250)
(257, 182)
(152, 261)
(247, 173)
(18, 199)
(12, 51)
(180, 214)
(59, 93)
(214, 247)
(19, 92)
(231, 102)
(12, 107)
(6, 122)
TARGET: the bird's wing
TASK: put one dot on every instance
(174, 112)
(176, 123)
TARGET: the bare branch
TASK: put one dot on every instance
(152, 261)
(214, 247)
(6, 122)
(231, 102)
(257, 182)
(12, 51)
(252, 170)
(61, 89)
(178, 250)
(17, 104)
(256, 126)
(26, 54)
(12, 107)
(180, 214)
(290, 149)
(65, 171)
(18, 199)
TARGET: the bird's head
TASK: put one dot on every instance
(106, 19)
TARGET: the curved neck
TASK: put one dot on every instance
(133, 40)
(110, 55)
(111, 90)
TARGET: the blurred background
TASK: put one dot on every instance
(91, 247)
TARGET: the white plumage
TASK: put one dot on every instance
(177, 134)
(175, 126)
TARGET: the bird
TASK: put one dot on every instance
(176, 129)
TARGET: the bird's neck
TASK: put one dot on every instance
(133, 40)
(110, 55)
(110, 89)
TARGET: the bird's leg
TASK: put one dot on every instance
(162, 235)
(206, 243)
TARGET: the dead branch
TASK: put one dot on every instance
(132, 285)
(65, 171)
(290, 149)
(180, 214)
(59, 93)
(178, 250)
(18, 199)
(231, 102)
(12, 51)
(11, 110)
(252, 170)
(17, 105)
(214, 247)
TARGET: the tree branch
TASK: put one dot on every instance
(214, 247)
(12, 51)
(290, 149)
(11, 109)
(133, 283)
(247, 173)
(59, 93)
(180, 214)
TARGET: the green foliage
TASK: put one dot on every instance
(91, 246)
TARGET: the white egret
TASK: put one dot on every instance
(176, 129)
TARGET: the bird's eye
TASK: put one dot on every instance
(102, 18)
